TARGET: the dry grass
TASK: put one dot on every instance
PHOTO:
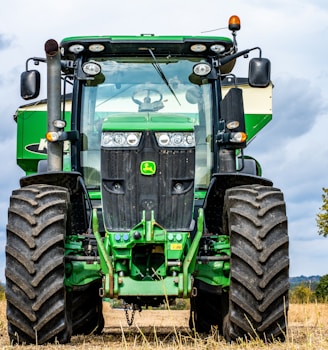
(308, 329)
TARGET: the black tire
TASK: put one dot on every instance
(38, 307)
(207, 308)
(258, 297)
(87, 310)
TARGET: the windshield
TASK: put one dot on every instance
(133, 88)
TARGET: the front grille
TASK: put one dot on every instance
(126, 193)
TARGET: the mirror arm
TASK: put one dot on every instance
(227, 59)
(36, 61)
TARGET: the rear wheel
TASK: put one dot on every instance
(38, 307)
(258, 301)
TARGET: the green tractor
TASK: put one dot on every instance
(137, 188)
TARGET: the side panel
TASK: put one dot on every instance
(31, 142)
(257, 107)
(31, 130)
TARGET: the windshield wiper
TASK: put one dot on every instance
(162, 75)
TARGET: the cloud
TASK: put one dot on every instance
(303, 263)
(5, 42)
(292, 148)
(297, 105)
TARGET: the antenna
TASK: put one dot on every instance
(214, 30)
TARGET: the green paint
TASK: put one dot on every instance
(79, 273)
(140, 121)
(216, 273)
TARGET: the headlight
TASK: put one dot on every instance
(238, 137)
(233, 124)
(198, 48)
(202, 69)
(217, 48)
(76, 48)
(91, 68)
(120, 139)
(175, 139)
(59, 123)
(96, 47)
(52, 136)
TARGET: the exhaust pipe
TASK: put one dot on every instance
(55, 149)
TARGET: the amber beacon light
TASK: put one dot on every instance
(234, 23)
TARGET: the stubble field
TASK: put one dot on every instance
(168, 329)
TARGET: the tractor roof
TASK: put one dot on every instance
(192, 46)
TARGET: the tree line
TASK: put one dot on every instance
(309, 293)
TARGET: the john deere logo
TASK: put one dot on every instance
(148, 167)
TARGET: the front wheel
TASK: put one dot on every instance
(38, 307)
(255, 217)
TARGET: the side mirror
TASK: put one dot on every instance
(259, 72)
(30, 84)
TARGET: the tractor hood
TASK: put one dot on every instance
(148, 121)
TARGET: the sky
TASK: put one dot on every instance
(292, 149)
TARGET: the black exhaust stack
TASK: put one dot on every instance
(55, 149)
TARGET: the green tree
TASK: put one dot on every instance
(321, 290)
(301, 294)
(322, 216)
